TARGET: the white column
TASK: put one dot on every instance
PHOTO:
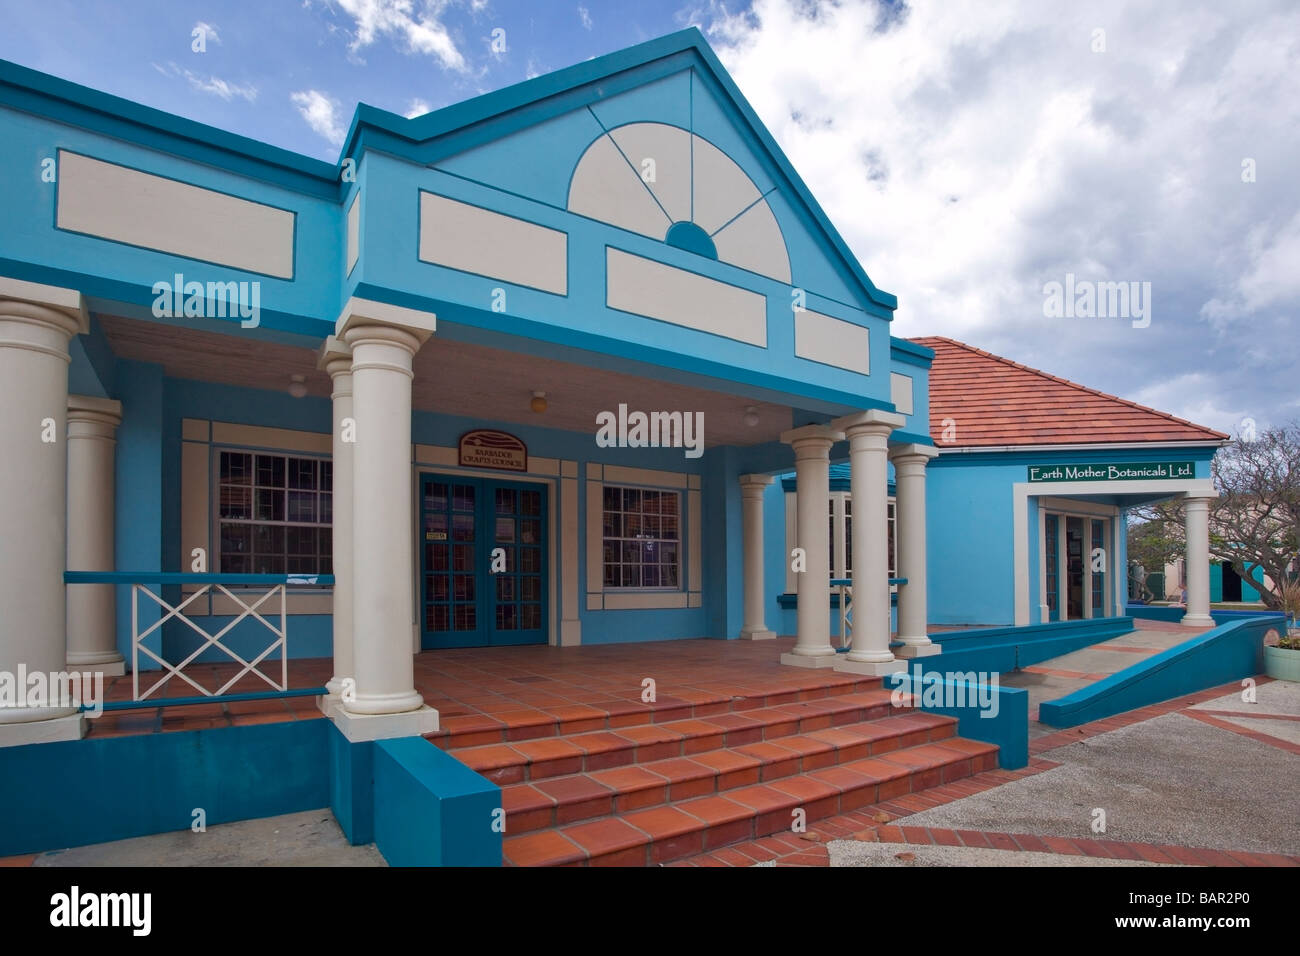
(752, 488)
(812, 446)
(336, 359)
(385, 703)
(909, 530)
(868, 435)
(92, 608)
(1197, 512)
(36, 324)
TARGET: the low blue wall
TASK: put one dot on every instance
(418, 805)
(1006, 725)
(1003, 649)
(432, 810)
(1229, 652)
(76, 792)
(1151, 612)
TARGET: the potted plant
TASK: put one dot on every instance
(1282, 660)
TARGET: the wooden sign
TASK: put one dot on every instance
(488, 448)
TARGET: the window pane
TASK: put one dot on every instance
(236, 502)
(270, 471)
(302, 473)
(302, 506)
(236, 468)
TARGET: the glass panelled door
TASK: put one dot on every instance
(1074, 567)
(1099, 568)
(482, 562)
(1051, 567)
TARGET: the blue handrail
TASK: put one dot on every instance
(169, 577)
(225, 699)
(847, 582)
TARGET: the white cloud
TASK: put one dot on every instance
(420, 32)
(585, 16)
(418, 107)
(969, 153)
(213, 85)
(209, 31)
(322, 114)
(219, 87)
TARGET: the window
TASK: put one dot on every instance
(842, 531)
(274, 514)
(642, 537)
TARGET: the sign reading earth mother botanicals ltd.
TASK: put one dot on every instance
(1126, 471)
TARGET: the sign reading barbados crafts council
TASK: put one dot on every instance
(488, 448)
(1126, 471)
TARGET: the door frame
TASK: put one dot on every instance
(1088, 511)
(550, 579)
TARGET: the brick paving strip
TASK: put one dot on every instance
(1207, 718)
(886, 822)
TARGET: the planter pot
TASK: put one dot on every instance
(1281, 663)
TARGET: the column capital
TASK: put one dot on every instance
(755, 483)
(871, 420)
(90, 410)
(358, 313)
(917, 453)
(812, 437)
(334, 357)
(1201, 499)
(67, 305)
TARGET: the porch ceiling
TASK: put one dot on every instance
(454, 378)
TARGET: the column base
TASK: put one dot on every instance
(19, 734)
(809, 660)
(109, 668)
(756, 634)
(908, 651)
(358, 728)
(872, 668)
(1197, 620)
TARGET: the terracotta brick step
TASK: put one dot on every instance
(531, 760)
(472, 730)
(557, 801)
(660, 834)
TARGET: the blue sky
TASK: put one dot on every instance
(971, 154)
(259, 54)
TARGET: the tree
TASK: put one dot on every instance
(1255, 521)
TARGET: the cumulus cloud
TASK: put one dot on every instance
(971, 153)
(416, 28)
(584, 15)
(322, 114)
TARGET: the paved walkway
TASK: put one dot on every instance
(1064, 675)
(1177, 788)
(311, 838)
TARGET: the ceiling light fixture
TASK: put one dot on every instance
(297, 385)
(538, 404)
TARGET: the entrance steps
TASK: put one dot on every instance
(645, 793)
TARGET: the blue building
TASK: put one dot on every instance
(579, 361)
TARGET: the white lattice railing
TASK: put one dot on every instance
(249, 605)
(843, 588)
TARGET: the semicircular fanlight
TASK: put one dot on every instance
(669, 184)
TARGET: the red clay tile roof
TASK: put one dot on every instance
(995, 401)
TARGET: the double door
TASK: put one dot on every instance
(483, 562)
